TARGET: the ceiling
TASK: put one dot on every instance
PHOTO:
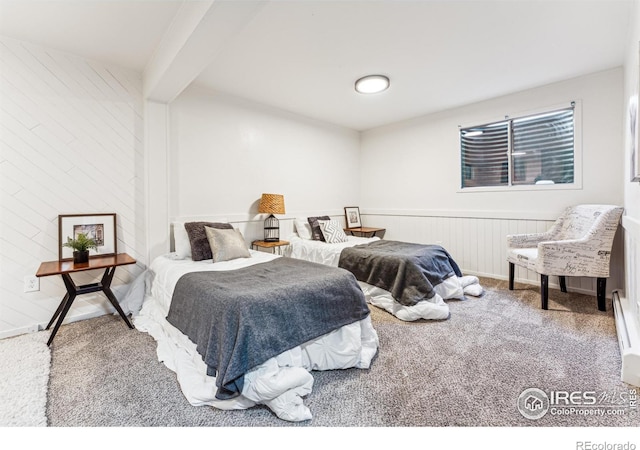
(303, 56)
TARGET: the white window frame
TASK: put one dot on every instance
(577, 152)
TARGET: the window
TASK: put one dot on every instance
(530, 150)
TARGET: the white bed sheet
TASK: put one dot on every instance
(433, 309)
(281, 382)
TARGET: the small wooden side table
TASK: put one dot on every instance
(66, 268)
(275, 246)
(365, 231)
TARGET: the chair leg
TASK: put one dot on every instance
(601, 290)
(563, 283)
(512, 269)
(544, 291)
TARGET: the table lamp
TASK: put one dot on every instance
(271, 204)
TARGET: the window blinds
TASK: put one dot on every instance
(543, 148)
(485, 156)
(537, 149)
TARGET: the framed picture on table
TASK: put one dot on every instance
(99, 227)
(352, 215)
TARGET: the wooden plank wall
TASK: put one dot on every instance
(71, 141)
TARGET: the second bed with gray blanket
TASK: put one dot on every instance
(239, 319)
(408, 271)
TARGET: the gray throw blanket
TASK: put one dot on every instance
(409, 271)
(241, 318)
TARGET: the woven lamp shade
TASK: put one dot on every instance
(271, 204)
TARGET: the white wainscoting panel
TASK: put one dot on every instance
(70, 143)
(478, 244)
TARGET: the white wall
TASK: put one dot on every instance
(410, 177)
(631, 88)
(71, 142)
(419, 160)
(631, 220)
(225, 152)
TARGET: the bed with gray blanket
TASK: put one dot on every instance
(409, 280)
(409, 271)
(262, 324)
(239, 319)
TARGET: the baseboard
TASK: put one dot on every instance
(41, 326)
(628, 339)
(552, 284)
(19, 331)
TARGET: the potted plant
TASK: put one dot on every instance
(81, 246)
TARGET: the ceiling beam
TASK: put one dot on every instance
(197, 34)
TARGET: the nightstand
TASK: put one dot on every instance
(66, 268)
(365, 231)
(276, 247)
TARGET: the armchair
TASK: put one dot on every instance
(578, 245)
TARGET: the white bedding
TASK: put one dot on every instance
(281, 382)
(433, 309)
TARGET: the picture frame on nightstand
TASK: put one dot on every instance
(352, 216)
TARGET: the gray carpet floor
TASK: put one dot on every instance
(467, 371)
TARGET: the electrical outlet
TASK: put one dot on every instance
(31, 283)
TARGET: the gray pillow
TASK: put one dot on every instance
(200, 248)
(226, 244)
(316, 231)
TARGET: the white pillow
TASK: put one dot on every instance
(182, 246)
(302, 228)
(332, 231)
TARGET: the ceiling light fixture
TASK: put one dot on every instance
(372, 84)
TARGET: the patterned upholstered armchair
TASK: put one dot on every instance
(577, 245)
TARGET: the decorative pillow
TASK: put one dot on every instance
(226, 244)
(302, 228)
(200, 248)
(316, 231)
(332, 231)
(181, 243)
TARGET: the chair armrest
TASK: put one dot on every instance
(530, 240)
(559, 258)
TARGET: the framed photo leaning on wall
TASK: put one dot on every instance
(99, 227)
(352, 215)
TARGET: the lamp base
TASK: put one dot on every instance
(271, 229)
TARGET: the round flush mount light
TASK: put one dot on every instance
(372, 84)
